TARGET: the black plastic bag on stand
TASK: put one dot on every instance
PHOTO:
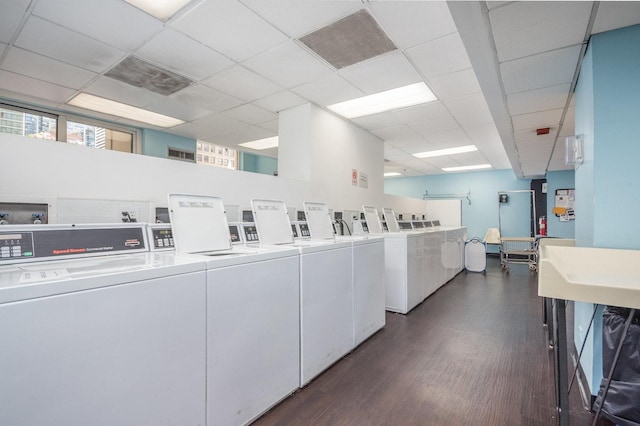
(622, 402)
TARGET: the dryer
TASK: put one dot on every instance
(253, 312)
(367, 274)
(97, 330)
(326, 291)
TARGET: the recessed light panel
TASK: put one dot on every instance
(107, 106)
(448, 151)
(261, 143)
(160, 9)
(389, 100)
(464, 168)
(391, 174)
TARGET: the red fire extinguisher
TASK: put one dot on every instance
(542, 222)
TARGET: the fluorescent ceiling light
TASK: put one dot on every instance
(448, 151)
(161, 9)
(402, 97)
(107, 106)
(390, 174)
(261, 143)
(462, 168)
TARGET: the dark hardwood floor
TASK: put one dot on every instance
(473, 353)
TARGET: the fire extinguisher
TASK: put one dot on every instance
(542, 222)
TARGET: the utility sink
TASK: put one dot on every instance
(593, 275)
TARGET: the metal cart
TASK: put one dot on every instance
(518, 250)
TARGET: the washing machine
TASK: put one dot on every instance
(326, 291)
(405, 264)
(97, 330)
(367, 275)
(253, 312)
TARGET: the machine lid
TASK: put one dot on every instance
(319, 221)
(199, 223)
(373, 219)
(272, 221)
(390, 219)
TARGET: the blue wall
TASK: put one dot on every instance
(482, 213)
(607, 114)
(258, 163)
(155, 143)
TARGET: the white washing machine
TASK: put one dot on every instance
(405, 264)
(367, 256)
(326, 291)
(253, 313)
(96, 330)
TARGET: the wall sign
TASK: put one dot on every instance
(354, 177)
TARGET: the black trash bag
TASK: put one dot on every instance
(622, 402)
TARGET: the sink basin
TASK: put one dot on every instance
(593, 275)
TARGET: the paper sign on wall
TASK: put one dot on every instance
(354, 177)
(364, 180)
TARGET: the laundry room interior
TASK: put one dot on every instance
(233, 212)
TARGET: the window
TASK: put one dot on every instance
(23, 121)
(226, 157)
(99, 137)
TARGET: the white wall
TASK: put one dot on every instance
(75, 181)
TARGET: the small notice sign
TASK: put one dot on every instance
(354, 177)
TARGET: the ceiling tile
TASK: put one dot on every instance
(448, 139)
(538, 100)
(242, 83)
(410, 23)
(280, 101)
(199, 95)
(39, 89)
(174, 108)
(391, 153)
(122, 92)
(397, 134)
(538, 71)
(431, 113)
(616, 14)
(230, 28)
(526, 28)
(113, 22)
(442, 56)
(208, 126)
(11, 17)
(455, 85)
(328, 90)
(188, 57)
(296, 18)
(530, 136)
(537, 120)
(288, 65)
(272, 125)
(470, 110)
(3, 47)
(242, 134)
(250, 114)
(486, 134)
(378, 121)
(37, 66)
(373, 76)
(51, 40)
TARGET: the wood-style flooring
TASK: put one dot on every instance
(473, 353)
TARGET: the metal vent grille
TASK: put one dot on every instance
(139, 73)
(350, 40)
(181, 154)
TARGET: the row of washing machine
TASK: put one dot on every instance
(96, 329)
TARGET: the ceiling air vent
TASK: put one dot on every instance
(350, 40)
(181, 154)
(139, 73)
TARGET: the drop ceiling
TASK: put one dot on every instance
(500, 70)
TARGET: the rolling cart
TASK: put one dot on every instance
(518, 250)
